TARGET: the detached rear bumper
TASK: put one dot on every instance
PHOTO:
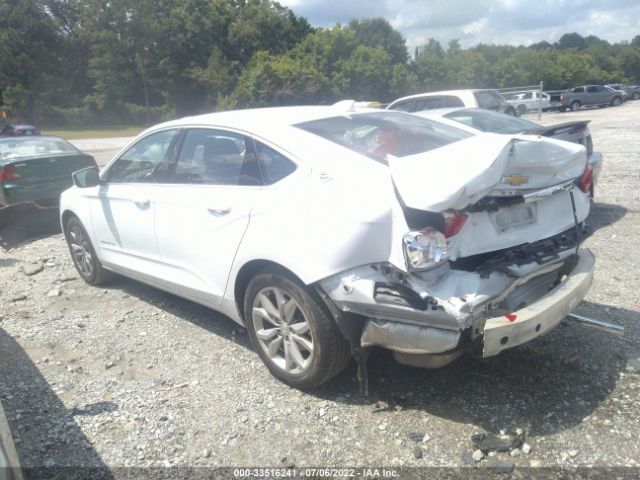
(500, 333)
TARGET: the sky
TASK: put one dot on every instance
(515, 22)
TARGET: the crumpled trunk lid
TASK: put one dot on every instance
(460, 174)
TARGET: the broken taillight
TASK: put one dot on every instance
(8, 173)
(586, 179)
(453, 223)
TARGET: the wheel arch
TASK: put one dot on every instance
(65, 215)
(251, 269)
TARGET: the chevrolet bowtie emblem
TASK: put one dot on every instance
(515, 180)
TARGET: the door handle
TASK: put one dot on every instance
(142, 202)
(219, 212)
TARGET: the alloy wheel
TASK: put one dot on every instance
(282, 330)
(81, 251)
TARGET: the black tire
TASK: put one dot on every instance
(331, 352)
(635, 96)
(615, 101)
(75, 233)
(575, 106)
(563, 109)
(521, 110)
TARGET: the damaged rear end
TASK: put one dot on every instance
(490, 257)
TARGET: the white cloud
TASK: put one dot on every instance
(515, 22)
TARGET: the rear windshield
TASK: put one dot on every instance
(25, 147)
(490, 99)
(378, 134)
(490, 121)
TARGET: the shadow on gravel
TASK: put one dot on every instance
(23, 224)
(49, 442)
(204, 317)
(605, 214)
(547, 386)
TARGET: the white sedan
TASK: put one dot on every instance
(327, 231)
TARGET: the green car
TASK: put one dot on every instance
(37, 169)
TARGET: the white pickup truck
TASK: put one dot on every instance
(527, 100)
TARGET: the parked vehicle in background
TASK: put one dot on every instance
(441, 241)
(9, 130)
(554, 99)
(590, 95)
(528, 100)
(490, 99)
(36, 169)
(633, 91)
(477, 120)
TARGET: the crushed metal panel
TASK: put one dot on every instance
(405, 338)
(530, 322)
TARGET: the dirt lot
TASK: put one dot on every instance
(129, 376)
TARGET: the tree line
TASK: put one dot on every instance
(89, 62)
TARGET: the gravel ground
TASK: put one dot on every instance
(127, 375)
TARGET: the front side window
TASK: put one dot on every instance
(215, 157)
(376, 135)
(578, 90)
(143, 161)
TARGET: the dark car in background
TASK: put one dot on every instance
(36, 169)
(633, 91)
(9, 130)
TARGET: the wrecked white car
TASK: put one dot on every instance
(326, 231)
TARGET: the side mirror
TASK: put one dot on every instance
(85, 178)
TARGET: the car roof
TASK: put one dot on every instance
(446, 92)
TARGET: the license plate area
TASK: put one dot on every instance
(514, 216)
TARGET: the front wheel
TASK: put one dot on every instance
(292, 332)
(83, 254)
(635, 96)
(616, 101)
(521, 110)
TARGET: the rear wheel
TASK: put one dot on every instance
(292, 332)
(575, 106)
(83, 254)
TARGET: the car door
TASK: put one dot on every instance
(203, 212)
(123, 209)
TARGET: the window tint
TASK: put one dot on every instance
(578, 90)
(490, 121)
(406, 106)
(490, 99)
(378, 134)
(592, 89)
(451, 102)
(216, 157)
(143, 161)
(274, 166)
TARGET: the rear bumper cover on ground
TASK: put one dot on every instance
(530, 322)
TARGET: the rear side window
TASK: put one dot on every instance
(273, 165)
(215, 157)
(490, 121)
(379, 134)
(143, 161)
